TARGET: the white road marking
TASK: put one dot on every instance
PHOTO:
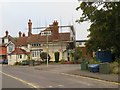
(50, 86)
(23, 81)
(60, 85)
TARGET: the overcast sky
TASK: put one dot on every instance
(14, 16)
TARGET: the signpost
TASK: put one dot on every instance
(47, 33)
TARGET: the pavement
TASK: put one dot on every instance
(105, 77)
(74, 69)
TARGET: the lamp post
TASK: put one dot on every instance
(46, 33)
(47, 48)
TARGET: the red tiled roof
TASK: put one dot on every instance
(64, 36)
(19, 51)
(21, 41)
(40, 39)
(37, 38)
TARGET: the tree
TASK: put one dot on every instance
(105, 25)
(78, 53)
(43, 56)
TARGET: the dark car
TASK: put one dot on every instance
(5, 62)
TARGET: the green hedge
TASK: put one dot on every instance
(56, 54)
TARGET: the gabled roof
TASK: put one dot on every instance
(38, 38)
(10, 38)
(22, 41)
(64, 36)
(9, 43)
(19, 51)
(41, 39)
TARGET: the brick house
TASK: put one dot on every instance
(3, 52)
(81, 44)
(5, 46)
(34, 44)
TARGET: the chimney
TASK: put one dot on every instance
(20, 34)
(55, 30)
(23, 34)
(6, 33)
(29, 28)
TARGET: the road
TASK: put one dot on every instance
(47, 77)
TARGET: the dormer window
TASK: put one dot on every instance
(45, 33)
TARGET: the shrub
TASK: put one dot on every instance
(62, 61)
(57, 54)
(116, 70)
(94, 61)
(25, 62)
(17, 63)
(114, 67)
(78, 53)
(43, 56)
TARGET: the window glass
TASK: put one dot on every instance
(10, 48)
(20, 56)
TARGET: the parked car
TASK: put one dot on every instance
(5, 61)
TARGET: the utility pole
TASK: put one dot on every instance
(46, 33)
(47, 48)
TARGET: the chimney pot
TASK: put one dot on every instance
(29, 27)
(20, 34)
(6, 33)
(23, 34)
(55, 22)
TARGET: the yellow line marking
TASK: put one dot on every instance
(117, 83)
(23, 81)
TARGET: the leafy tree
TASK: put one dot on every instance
(43, 56)
(78, 53)
(105, 25)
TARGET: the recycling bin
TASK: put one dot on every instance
(93, 68)
(104, 68)
(84, 65)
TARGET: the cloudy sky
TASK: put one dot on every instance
(14, 15)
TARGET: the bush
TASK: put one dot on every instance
(118, 60)
(17, 63)
(43, 56)
(62, 61)
(57, 54)
(114, 67)
(25, 62)
(116, 70)
(94, 61)
(78, 53)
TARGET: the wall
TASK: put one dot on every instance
(12, 59)
(53, 47)
(6, 40)
(15, 58)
